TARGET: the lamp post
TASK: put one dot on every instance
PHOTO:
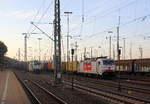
(25, 46)
(67, 14)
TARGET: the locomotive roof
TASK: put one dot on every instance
(95, 58)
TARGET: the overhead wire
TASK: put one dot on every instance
(37, 13)
(107, 12)
(124, 24)
(142, 18)
(42, 16)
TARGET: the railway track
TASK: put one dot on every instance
(139, 82)
(109, 95)
(114, 97)
(38, 94)
(123, 86)
(31, 95)
(143, 86)
(71, 97)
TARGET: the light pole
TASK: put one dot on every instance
(67, 14)
(25, 46)
(39, 49)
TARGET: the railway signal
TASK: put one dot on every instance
(72, 53)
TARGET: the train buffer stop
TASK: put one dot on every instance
(11, 91)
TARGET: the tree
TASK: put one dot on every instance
(3, 50)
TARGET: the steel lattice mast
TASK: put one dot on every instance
(57, 43)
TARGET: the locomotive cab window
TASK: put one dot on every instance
(108, 62)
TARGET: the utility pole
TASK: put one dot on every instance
(91, 52)
(39, 48)
(76, 47)
(110, 44)
(124, 48)
(57, 44)
(141, 55)
(25, 46)
(84, 53)
(19, 54)
(113, 51)
(118, 29)
(110, 47)
(81, 57)
(72, 53)
(118, 54)
(141, 52)
(82, 11)
(68, 55)
(130, 51)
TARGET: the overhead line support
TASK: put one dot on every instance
(57, 43)
(42, 31)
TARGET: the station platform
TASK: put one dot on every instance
(11, 91)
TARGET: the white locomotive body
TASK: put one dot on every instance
(100, 65)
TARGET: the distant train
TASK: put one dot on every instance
(88, 66)
(134, 65)
(98, 66)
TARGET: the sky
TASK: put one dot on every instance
(100, 16)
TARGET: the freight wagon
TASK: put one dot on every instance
(134, 66)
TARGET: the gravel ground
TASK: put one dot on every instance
(107, 88)
(63, 91)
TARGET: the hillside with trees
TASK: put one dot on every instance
(3, 50)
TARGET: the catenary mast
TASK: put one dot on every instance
(57, 43)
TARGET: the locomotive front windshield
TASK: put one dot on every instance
(108, 62)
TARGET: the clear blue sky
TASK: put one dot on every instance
(100, 16)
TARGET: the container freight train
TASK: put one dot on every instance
(96, 66)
